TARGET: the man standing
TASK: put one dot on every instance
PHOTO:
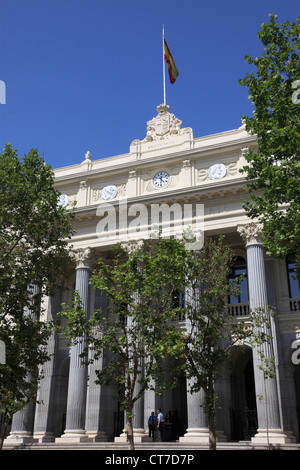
(152, 423)
(160, 424)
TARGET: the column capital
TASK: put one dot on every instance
(251, 233)
(84, 258)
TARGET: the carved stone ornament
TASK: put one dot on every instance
(251, 233)
(83, 185)
(164, 125)
(84, 258)
(132, 245)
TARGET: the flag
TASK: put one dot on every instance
(173, 72)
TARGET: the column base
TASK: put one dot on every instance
(139, 435)
(19, 438)
(199, 435)
(44, 436)
(221, 436)
(273, 436)
(73, 436)
(97, 436)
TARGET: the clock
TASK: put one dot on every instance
(109, 192)
(63, 200)
(161, 179)
(217, 171)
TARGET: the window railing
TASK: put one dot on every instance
(295, 305)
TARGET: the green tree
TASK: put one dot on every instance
(211, 331)
(273, 170)
(34, 251)
(139, 332)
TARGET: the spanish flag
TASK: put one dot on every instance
(173, 72)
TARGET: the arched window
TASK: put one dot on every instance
(239, 268)
(294, 284)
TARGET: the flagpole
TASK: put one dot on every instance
(164, 68)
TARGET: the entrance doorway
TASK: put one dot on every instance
(243, 406)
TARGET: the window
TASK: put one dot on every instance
(178, 301)
(239, 268)
(294, 284)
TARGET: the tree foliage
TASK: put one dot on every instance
(211, 331)
(34, 251)
(139, 331)
(273, 170)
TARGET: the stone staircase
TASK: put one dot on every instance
(154, 447)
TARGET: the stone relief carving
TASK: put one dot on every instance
(97, 192)
(186, 164)
(83, 185)
(163, 126)
(72, 199)
(231, 170)
(132, 174)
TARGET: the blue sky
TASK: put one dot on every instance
(87, 74)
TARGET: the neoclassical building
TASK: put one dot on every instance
(170, 168)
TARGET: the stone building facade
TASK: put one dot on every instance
(170, 167)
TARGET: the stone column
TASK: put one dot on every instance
(44, 413)
(268, 412)
(138, 419)
(77, 388)
(96, 404)
(197, 430)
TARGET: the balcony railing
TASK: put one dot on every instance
(238, 309)
(295, 305)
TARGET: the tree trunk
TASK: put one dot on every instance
(3, 429)
(211, 414)
(212, 431)
(129, 430)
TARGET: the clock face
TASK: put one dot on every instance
(217, 171)
(161, 179)
(109, 192)
(63, 200)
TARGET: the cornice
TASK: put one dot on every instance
(195, 153)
